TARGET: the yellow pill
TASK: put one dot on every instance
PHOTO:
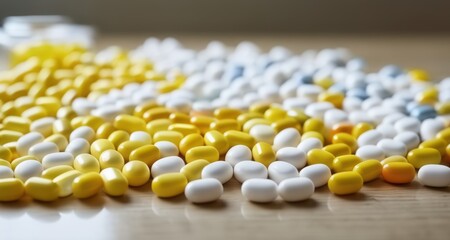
(35, 113)
(225, 125)
(343, 127)
(18, 124)
(184, 128)
(53, 172)
(345, 163)
(93, 122)
(111, 159)
(317, 135)
(325, 83)
(444, 135)
(59, 140)
(129, 123)
(299, 115)
(64, 182)
(274, 114)
(423, 156)
(338, 149)
(169, 185)
(202, 152)
(41, 189)
(62, 126)
(7, 136)
(87, 163)
(118, 137)
(217, 140)
(369, 169)
(244, 117)
(104, 130)
(393, 159)
(140, 109)
(87, 185)
(239, 138)
(5, 163)
(346, 139)
(263, 152)
(190, 141)
(11, 189)
(313, 125)
(443, 108)
(335, 98)
(259, 107)
(50, 104)
(170, 136)
(99, 146)
(158, 125)
(66, 113)
(227, 113)
(361, 128)
(287, 122)
(428, 96)
(114, 182)
(344, 183)
(435, 143)
(77, 122)
(5, 153)
(193, 170)
(316, 156)
(23, 103)
(178, 117)
(136, 172)
(8, 109)
(202, 122)
(17, 161)
(419, 75)
(253, 122)
(156, 113)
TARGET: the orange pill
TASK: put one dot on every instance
(340, 128)
(398, 172)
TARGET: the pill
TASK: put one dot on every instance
(42, 149)
(370, 152)
(167, 149)
(195, 140)
(215, 139)
(408, 124)
(12, 189)
(262, 152)
(238, 154)
(193, 170)
(64, 182)
(263, 133)
(59, 140)
(234, 138)
(292, 155)
(111, 159)
(6, 172)
(435, 143)
(28, 140)
(295, 189)
(203, 190)
(307, 145)
(409, 139)
(99, 146)
(148, 154)
(338, 149)
(114, 182)
(316, 156)
(279, 171)
(84, 132)
(41, 189)
(118, 137)
(393, 159)
(422, 156)
(369, 169)
(136, 172)
(289, 137)
(345, 163)
(86, 163)
(141, 136)
(434, 175)
(219, 170)
(77, 147)
(87, 185)
(259, 190)
(398, 172)
(169, 164)
(44, 126)
(208, 153)
(57, 159)
(346, 139)
(344, 183)
(392, 147)
(370, 137)
(53, 172)
(169, 184)
(129, 123)
(246, 170)
(28, 169)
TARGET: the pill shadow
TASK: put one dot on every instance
(142, 189)
(355, 197)
(216, 205)
(276, 205)
(438, 189)
(124, 199)
(306, 204)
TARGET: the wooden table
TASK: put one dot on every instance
(379, 211)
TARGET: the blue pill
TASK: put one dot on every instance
(423, 112)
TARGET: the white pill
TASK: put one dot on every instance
(370, 152)
(83, 132)
(371, 137)
(203, 190)
(318, 109)
(219, 170)
(43, 148)
(410, 139)
(238, 154)
(434, 175)
(392, 147)
(408, 124)
(430, 128)
(78, 146)
(317, 173)
(289, 137)
(388, 131)
(263, 133)
(334, 116)
(141, 136)
(392, 118)
(169, 164)
(28, 169)
(296, 189)
(43, 126)
(310, 144)
(167, 149)
(279, 171)
(57, 159)
(249, 170)
(6, 172)
(28, 140)
(292, 155)
(259, 190)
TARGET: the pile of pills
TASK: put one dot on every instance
(74, 122)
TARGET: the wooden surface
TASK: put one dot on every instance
(379, 211)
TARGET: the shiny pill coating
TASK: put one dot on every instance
(41, 189)
(193, 170)
(136, 172)
(369, 169)
(203, 190)
(423, 156)
(219, 170)
(87, 185)
(114, 182)
(169, 185)
(12, 189)
(344, 183)
(398, 172)
(434, 175)
(259, 190)
(295, 189)
(208, 153)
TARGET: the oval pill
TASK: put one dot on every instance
(219, 170)
(203, 190)
(317, 173)
(423, 156)
(53, 172)
(238, 154)
(64, 182)
(369, 169)
(246, 170)
(279, 171)
(28, 169)
(259, 190)
(86, 163)
(169, 164)
(263, 152)
(193, 170)
(114, 182)
(57, 159)
(169, 185)
(136, 172)
(87, 185)
(344, 183)
(41, 189)
(295, 189)
(398, 172)
(12, 189)
(208, 153)
(434, 175)
(292, 155)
